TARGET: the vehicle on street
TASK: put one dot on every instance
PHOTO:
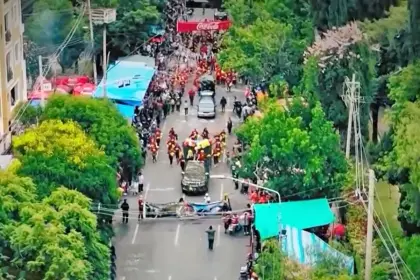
(207, 83)
(220, 14)
(195, 178)
(206, 107)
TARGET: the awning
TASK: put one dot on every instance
(189, 26)
(299, 214)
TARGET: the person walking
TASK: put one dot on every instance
(210, 237)
(229, 126)
(186, 107)
(125, 207)
(223, 103)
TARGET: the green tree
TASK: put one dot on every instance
(58, 154)
(52, 239)
(132, 27)
(302, 156)
(104, 124)
(49, 25)
(410, 252)
(257, 52)
(254, 51)
(270, 262)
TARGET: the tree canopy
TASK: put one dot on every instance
(100, 119)
(53, 238)
(58, 154)
(302, 154)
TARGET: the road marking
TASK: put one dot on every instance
(219, 229)
(135, 234)
(221, 191)
(177, 235)
(215, 278)
(162, 190)
(123, 278)
(170, 278)
(184, 196)
(146, 191)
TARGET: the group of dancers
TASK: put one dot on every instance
(196, 147)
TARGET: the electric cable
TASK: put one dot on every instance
(68, 38)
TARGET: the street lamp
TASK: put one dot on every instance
(224, 177)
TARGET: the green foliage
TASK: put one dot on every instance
(303, 156)
(270, 264)
(52, 239)
(26, 114)
(384, 29)
(252, 49)
(410, 252)
(131, 29)
(52, 160)
(48, 26)
(103, 123)
(333, 13)
(327, 84)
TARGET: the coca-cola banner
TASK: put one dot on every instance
(189, 26)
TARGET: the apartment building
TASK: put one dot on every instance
(12, 64)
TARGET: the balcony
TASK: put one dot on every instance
(9, 74)
(8, 36)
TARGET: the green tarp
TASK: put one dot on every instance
(298, 214)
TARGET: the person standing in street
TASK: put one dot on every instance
(141, 182)
(223, 103)
(210, 236)
(125, 207)
(229, 126)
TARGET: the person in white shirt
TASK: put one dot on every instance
(207, 198)
(140, 178)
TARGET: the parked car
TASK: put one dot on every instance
(195, 178)
(206, 107)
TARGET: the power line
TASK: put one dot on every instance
(66, 41)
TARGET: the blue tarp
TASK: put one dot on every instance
(126, 110)
(300, 214)
(127, 81)
(309, 249)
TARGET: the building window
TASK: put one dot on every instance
(17, 52)
(9, 67)
(7, 26)
(13, 95)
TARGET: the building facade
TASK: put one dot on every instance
(13, 86)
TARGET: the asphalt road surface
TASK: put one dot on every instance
(170, 249)
(173, 249)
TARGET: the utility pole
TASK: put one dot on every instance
(95, 74)
(350, 96)
(41, 80)
(368, 253)
(104, 60)
(103, 17)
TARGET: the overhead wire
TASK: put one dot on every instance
(59, 50)
(361, 157)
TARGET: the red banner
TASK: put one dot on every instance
(189, 26)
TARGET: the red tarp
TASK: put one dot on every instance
(85, 89)
(189, 26)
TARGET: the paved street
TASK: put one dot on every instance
(174, 250)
